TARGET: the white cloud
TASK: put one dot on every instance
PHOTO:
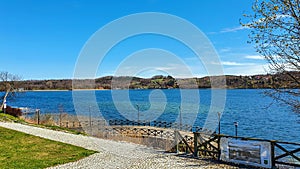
(261, 20)
(256, 57)
(247, 70)
(225, 50)
(229, 63)
(235, 29)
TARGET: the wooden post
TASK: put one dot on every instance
(186, 149)
(61, 109)
(273, 154)
(38, 116)
(90, 121)
(196, 144)
(180, 119)
(219, 147)
(60, 117)
(219, 120)
(138, 114)
(176, 141)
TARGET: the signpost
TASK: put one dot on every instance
(248, 152)
(236, 126)
(219, 121)
(180, 118)
(138, 114)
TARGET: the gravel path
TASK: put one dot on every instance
(114, 154)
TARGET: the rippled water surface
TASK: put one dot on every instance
(255, 114)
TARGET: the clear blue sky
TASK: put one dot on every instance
(42, 39)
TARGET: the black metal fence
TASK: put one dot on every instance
(161, 124)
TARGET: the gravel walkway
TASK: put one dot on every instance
(114, 154)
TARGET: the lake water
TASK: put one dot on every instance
(255, 114)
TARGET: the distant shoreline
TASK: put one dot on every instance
(58, 90)
(268, 81)
(64, 90)
(55, 90)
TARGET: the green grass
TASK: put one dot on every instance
(9, 118)
(20, 150)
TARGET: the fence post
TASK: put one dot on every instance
(38, 116)
(196, 144)
(60, 118)
(90, 121)
(176, 141)
(273, 166)
(219, 147)
(61, 109)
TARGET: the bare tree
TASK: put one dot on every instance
(9, 85)
(275, 33)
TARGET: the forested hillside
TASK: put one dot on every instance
(281, 80)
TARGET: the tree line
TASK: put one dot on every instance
(279, 80)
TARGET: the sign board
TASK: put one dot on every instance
(248, 152)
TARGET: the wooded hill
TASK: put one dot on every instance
(282, 80)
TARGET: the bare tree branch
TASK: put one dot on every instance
(9, 84)
(275, 33)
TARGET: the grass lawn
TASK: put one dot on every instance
(9, 118)
(20, 150)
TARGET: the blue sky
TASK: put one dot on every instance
(43, 39)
